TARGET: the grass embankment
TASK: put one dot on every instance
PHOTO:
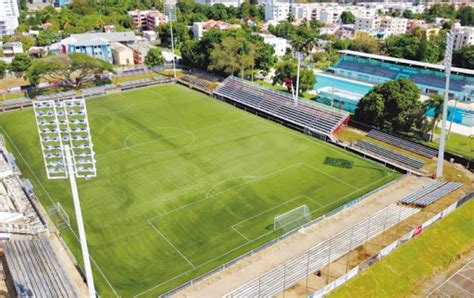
(403, 273)
(457, 144)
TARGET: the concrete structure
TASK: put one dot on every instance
(147, 19)
(279, 44)
(121, 54)
(140, 49)
(9, 14)
(463, 36)
(12, 48)
(367, 23)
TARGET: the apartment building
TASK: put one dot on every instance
(9, 14)
(147, 19)
(394, 25)
(228, 3)
(463, 36)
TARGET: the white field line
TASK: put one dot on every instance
(233, 228)
(438, 288)
(331, 176)
(188, 132)
(224, 191)
(254, 240)
(226, 180)
(127, 107)
(171, 244)
(52, 201)
(172, 136)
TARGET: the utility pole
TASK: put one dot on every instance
(298, 54)
(447, 69)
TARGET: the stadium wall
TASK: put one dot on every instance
(389, 248)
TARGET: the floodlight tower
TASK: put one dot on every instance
(170, 11)
(447, 69)
(67, 148)
(298, 56)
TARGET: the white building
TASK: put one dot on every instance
(463, 36)
(279, 44)
(366, 23)
(9, 14)
(394, 25)
(121, 54)
(12, 48)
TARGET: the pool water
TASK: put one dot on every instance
(459, 115)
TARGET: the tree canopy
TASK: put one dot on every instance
(286, 72)
(154, 57)
(347, 17)
(73, 69)
(3, 68)
(393, 106)
(411, 47)
(464, 57)
(20, 63)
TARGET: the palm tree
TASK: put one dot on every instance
(435, 103)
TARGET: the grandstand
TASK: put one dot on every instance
(196, 82)
(97, 91)
(431, 193)
(402, 143)
(35, 269)
(58, 95)
(134, 84)
(429, 78)
(390, 155)
(307, 115)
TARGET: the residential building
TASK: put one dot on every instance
(9, 14)
(147, 19)
(346, 31)
(367, 23)
(463, 36)
(12, 48)
(394, 25)
(278, 44)
(60, 3)
(121, 54)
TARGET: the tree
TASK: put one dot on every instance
(72, 70)
(180, 33)
(464, 57)
(466, 16)
(347, 17)
(408, 14)
(3, 68)
(47, 37)
(20, 63)
(154, 57)
(363, 42)
(232, 56)
(393, 106)
(286, 71)
(434, 103)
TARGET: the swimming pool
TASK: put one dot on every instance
(460, 116)
(351, 86)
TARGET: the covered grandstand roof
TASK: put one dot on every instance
(463, 71)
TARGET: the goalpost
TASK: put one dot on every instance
(292, 219)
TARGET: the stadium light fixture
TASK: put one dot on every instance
(170, 11)
(68, 153)
(447, 69)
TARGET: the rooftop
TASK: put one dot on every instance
(438, 67)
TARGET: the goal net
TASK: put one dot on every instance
(292, 219)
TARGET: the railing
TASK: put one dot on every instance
(280, 238)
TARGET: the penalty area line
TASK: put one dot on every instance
(171, 244)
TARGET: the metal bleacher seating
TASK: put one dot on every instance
(196, 81)
(431, 193)
(438, 81)
(35, 269)
(401, 143)
(59, 95)
(367, 68)
(390, 155)
(135, 83)
(99, 90)
(280, 105)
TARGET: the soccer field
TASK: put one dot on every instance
(186, 183)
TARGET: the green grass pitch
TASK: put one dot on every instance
(186, 183)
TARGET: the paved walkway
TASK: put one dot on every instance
(460, 284)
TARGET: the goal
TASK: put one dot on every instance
(292, 219)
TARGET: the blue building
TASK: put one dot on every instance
(60, 3)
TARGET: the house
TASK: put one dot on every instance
(12, 48)
(278, 44)
(9, 14)
(200, 27)
(140, 49)
(147, 19)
